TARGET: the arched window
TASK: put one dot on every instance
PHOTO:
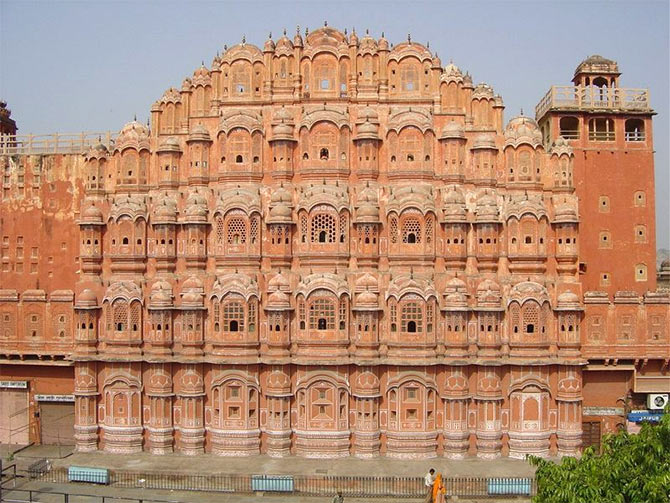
(569, 128)
(323, 154)
(530, 317)
(634, 130)
(601, 129)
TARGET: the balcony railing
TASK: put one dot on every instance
(593, 98)
(66, 143)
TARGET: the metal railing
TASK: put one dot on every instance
(38, 495)
(592, 97)
(311, 485)
(56, 143)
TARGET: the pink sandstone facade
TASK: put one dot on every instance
(331, 247)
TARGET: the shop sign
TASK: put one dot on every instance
(14, 384)
(638, 416)
(54, 398)
(602, 411)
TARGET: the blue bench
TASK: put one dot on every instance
(91, 475)
(521, 487)
(275, 483)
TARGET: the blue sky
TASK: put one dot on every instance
(91, 66)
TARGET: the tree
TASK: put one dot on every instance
(633, 468)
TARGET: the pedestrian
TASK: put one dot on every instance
(428, 481)
(338, 498)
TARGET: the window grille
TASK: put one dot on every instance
(253, 232)
(429, 229)
(343, 228)
(233, 316)
(237, 231)
(411, 312)
(393, 229)
(323, 228)
(219, 224)
(322, 310)
(531, 317)
(411, 230)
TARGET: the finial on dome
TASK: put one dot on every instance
(202, 63)
(244, 39)
(428, 45)
(284, 31)
(367, 31)
(382, 34)
(409, 38)
(325, 23)
(135, 117)
(270, 35)
(345, 31)
(306, 30)
(411, 272)
(225, 47)
(521, 110)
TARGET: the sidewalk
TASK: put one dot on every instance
(262, 464)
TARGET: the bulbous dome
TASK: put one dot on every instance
(169, 144)
(452, 129)
(368, 211)
(161, 294)
(368, 114)
(568, 300)
(278, 299)
(134, 135)
(367, 282)
(565, 212)
(281, 195)
(487, 208)
(87, 298)
(192, 282)
(383, 44)
(485, 141)
(279, 282)
(282, 212)
(199, 133)
(196, 206)
(92, 214)
(284, 43)
(367, 299)
(522, 129)
(367, 131)
(269, 45)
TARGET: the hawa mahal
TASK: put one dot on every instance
(335, 246)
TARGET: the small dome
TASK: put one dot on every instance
(453, 129)
(282, 131)
(278, 299)
(161, 294)
(522, 129)
(665, 264)
(199, 133)
(383, 44)
(281, 212)
(196, 206)
(280, 282)
(269, 45)
(284, 43)
(367, 282)
(284, 115)
(169, 144)
(133, 134)
(367, 299)
(92, 214)
(87, 298)
(201, 72)
(368, 211)
(456, 284)
(368, 114)
(454, 196)
(281, 195)
(192, 282)
(367, 131)
(485, 141)
(452, 70)
(597, 64)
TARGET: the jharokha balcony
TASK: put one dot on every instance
(593, 98)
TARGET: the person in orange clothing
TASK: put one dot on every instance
(439, 491)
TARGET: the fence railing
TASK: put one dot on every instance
(35, 495)
(57, 143)
(309, 485)
(592, 97)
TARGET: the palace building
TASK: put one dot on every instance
(335, 246)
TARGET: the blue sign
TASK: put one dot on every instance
(638, 416)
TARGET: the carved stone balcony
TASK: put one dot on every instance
(593, 98)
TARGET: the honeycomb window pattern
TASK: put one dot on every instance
(323, 228)
(411, 231)
(237, 231)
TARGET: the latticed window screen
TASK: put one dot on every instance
(233, 316)
(429, 229)
(411, 230)
(237, 231)
(545, 317)
(216, 315)
(109, 318)
(516, 317)
(322, 310)
(343, 228)
(219, 225)
(343, 311)
(411, 312)
(393, 315)
(120, 315)
(253, 231)
(410, 145)
(303, 227)
(393, 231)
(323, 228)
(135, 314)
(531, 317)
(429, 316)
(251, 315)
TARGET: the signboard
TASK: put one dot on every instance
(602, 411)
(638, 416)
(14, 384)
(54, 398)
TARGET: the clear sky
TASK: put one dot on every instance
(91, 66)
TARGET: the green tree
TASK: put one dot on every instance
(633, 468)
